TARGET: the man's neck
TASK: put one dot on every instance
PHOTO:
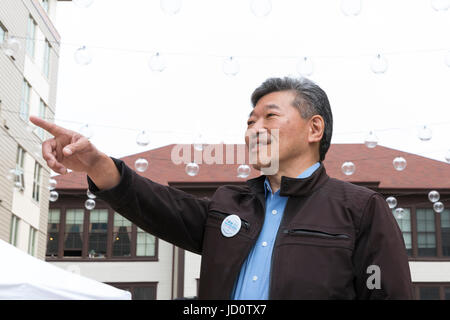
(292, 170)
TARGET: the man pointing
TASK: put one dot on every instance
(291, 233)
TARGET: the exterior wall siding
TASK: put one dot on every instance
(14, 17)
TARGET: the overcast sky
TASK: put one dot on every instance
(118, 94)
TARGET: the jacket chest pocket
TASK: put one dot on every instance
(318, 236)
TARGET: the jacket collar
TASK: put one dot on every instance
(293, 186)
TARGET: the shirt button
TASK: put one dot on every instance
(264, 244)
(255, 278)
(274, 211)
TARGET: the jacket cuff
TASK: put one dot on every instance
(118, 193)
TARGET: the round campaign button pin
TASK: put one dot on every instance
(231, 225)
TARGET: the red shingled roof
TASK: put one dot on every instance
(372, 166)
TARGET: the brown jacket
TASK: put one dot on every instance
(331, 232)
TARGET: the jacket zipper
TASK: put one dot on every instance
(245, 223)
(315, 233)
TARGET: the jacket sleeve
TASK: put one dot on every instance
(380, 259)
(168, 213)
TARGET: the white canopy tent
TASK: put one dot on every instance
(28, 278)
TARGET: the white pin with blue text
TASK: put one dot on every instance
(231, 225)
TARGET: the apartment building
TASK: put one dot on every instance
(29, 55)
(102, 245)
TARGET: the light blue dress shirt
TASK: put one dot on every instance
(254, 278)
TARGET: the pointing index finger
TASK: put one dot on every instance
(48, 126)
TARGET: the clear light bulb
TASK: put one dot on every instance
(170, 7)
(230, 66)
(392, 202)
(90, 195)
(83, 3)
(433, 196)
(399, 213)
(192, 169)
(52, 184)
(447, 156)
(348, 168)
(86, 131)
(440, 5)
(11, 46)
(425, 133)
(447, 59)
(371, 140)
(438, 207)
(199, 142)
(399, 163)
(261, 8)
(83, 56)
(143, 138)
(157, 62)
(53, 196)
(141, 164)
(243, 171)
(305, 66)
(11, 174)
(351, 7)
(379, 64)
(89, 204)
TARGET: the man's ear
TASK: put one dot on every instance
(316, 128)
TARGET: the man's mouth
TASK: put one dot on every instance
(254, 146)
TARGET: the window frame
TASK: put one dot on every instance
(130, 286)
(58, 233)
(77, 202)
(20, 167)
(440, 285)
(5, 33)
(46, 59)
(45, 5)
(32, 241)
(31, 38)
(37, 181)
(14, 229)
(419, 200)
(24, 112)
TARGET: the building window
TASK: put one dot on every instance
(426, 234)
(445, 232)
(139, 291)
(14, 228)
(121, 236)
(37, 181)
(31, 36)
(73, 240)
(42, 114)
(32, 241)
(98, 233)
(429, 293)
(25, 102)
(446, 293)
(45, 5)
(46, 63)
(405, 226)
(3, 33)
(53, 232)
(20, 162)
(145, 244)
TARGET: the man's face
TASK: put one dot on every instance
(275, 111)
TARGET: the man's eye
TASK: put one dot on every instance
(271, 114)
(250, 122)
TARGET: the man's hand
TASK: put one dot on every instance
(70, 150)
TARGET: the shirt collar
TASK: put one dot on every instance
(305, 174)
